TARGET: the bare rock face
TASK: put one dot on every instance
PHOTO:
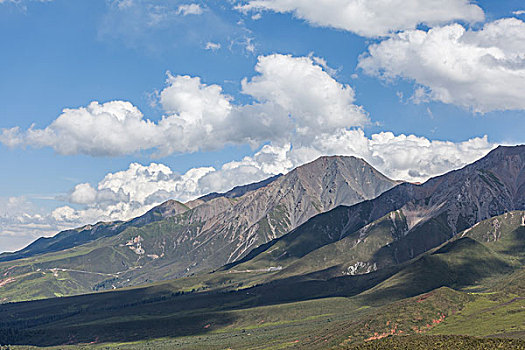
(491, 186)
(305, 192)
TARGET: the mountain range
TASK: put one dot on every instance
(176, 239)
(333, 242)
(403, 222)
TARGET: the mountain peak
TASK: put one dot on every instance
(333, 160)
(516, 149)
(355, 172)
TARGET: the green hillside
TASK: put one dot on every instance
(457, 264)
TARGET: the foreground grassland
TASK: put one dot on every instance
(418, 342)
(331, 323)
(439, 343)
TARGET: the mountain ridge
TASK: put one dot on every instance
(168, 208)
(290, 200)
(437, 210)
(216, 232)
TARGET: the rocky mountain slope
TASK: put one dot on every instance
(78, 236)
(173, 240)
(237, 191)
(402, 223)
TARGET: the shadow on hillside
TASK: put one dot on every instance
(143, 313)
(124, 330)
(155, 312)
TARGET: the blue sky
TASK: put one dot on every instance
(259, 76)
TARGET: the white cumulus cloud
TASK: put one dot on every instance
(482, 70)
(291, 95)
(111, 128)
(371, 18)
(129, 193)
(316, 102)
(21, 222)
(401, 157)
(83, 194)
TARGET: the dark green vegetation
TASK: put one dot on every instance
(442, 258)
(440, 342)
